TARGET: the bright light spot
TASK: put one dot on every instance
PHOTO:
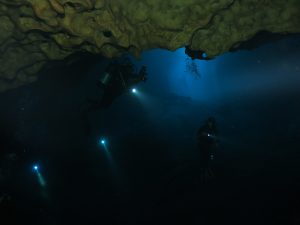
(40, 177)
(102, 141)
(133, 90)
(36, 167)
(204, 55)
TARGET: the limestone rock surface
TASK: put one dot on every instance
(34, 32)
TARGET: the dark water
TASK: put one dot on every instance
(150, 173)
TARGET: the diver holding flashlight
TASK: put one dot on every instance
(119, 77)
(207, 144)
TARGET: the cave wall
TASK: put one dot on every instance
(34, 32)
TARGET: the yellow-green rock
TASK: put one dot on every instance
(34, 32)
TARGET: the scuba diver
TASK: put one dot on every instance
(207, 143)
(196, 54)
(118, 78)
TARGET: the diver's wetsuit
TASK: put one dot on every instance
(119, 79)
(122, 79)
(206, 138)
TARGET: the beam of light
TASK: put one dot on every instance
(146, 99)
(183, 82)
(106, 148)
(40, 177)
(152, 105)
(103, 142)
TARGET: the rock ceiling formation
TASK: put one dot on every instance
(34, 32)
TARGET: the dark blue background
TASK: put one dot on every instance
(150, 175)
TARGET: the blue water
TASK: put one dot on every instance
(150, 136)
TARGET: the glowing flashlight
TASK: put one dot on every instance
(35, 167)
(102, 141)
(210, 135)
(39, 175)
(133, 90)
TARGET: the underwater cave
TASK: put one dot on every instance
(130, 112)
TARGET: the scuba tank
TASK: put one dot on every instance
(104, 79)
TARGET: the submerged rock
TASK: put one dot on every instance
(34, 32)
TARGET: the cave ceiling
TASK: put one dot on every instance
(35, 32)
